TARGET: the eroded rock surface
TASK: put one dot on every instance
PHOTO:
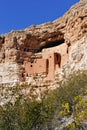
(18, 46)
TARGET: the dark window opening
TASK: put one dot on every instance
(68, 45)
(24, 49)
(58, 59)
(22, 62)
(31, 65)
(3, 55)
(47, 66)
(67, 50)
(22, 75)
(26, 75)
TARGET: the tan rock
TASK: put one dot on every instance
(60, 40)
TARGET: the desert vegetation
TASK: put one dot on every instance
(64, 108)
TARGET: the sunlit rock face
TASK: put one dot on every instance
(33, 43)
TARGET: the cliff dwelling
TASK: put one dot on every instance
(44, 56)
(42, 49)
(47, 61)
(32, 56)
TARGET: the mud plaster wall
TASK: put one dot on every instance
(61, 49)
(51, 67)
(38, 66)
(52, 59)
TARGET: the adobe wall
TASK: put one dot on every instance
(62, 49)
(38, 66)
(51, 66)
(45, 62)
(52, 59)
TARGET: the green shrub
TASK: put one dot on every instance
(29, 114)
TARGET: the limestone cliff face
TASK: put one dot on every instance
(18, 46)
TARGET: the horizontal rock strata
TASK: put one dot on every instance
(19, 46)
